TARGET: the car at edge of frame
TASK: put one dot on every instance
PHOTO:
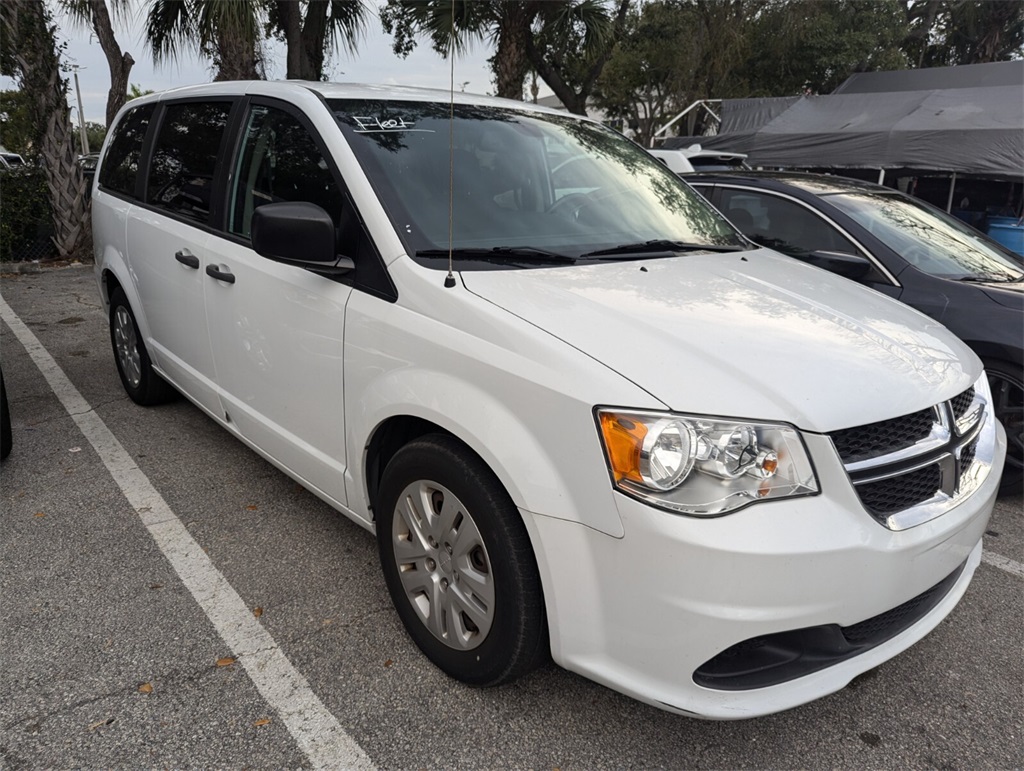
(905, 248)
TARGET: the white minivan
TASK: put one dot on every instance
(584, 416)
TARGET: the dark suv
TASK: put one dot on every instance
(902, 247)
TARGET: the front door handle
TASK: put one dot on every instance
(226, 276)
(187, 259)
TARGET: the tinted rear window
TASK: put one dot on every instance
(121, 165)
(185, 158)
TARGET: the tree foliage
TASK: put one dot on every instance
(814, 46)
(675, 52)
(19, 132)
(231, 32)
(566, 42)
(949, 32)
(228, 32)
(34, 58)
(314, 28)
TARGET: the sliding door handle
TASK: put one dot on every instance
(226, 276)
(187, 259)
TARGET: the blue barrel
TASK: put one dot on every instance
(1009, 235)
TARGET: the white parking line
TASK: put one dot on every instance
(1003, 563)
(315, 730)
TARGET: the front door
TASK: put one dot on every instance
(277, 331)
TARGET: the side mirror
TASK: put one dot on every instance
(850, 266)
(297, 233)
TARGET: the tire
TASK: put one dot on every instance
(6, 438)
(143, 385)
(1007, 384)
(458, 563)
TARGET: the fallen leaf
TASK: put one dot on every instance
(227, 661)
(146, 688)
(75, 449)
(388, 663)
(252, 507)
(39, 514)
(257, 611)
(262, 721)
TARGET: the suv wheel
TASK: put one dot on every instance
(459, 564)
(143, 385)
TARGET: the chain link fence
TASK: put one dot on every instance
(26, 224)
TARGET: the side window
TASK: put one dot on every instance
(185, 158)
(121, 164)
(279, 161)
(781, 224)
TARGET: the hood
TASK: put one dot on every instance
(1009, 294)
(749, 335)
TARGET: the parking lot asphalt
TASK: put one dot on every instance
(111, 658)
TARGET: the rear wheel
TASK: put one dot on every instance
(458, 563)
(141, 382)
(1007, 387)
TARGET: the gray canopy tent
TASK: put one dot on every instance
(966, 120)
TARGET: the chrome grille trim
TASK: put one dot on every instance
(961, 450)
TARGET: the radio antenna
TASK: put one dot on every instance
(449, 280)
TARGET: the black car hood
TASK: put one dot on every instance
(1008, 294)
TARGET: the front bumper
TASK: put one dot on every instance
(642, 613)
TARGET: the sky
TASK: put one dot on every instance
(374, 62)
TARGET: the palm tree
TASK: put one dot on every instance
(230, 32)
(31, 54)
(574, 41)
(94, 14)
(227, 31)
(566, 42)
(311, 28)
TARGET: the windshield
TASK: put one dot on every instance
(930, 240)
(522, 181)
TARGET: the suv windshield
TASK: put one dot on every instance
(522, 181)
(929, 239)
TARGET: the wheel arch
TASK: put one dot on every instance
(515, 450)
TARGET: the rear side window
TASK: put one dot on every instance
(185, 158)
(121, 165)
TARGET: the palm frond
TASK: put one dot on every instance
(170, 28)
(347, 22)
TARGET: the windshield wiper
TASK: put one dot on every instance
(988, 280)
(528, 253)
(662, 245)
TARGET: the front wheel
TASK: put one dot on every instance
(141, 382)
(1008, 405)
(458, 563)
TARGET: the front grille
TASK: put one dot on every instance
(927, 457)
(886, 436)
(967, 455)
(962, 403)
(887, 496)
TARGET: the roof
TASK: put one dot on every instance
(340, 91)
(935, 78)
(819, 184)
(973, 129)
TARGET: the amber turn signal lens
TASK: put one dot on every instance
(623, 438)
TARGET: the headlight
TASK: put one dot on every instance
(703, 466)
